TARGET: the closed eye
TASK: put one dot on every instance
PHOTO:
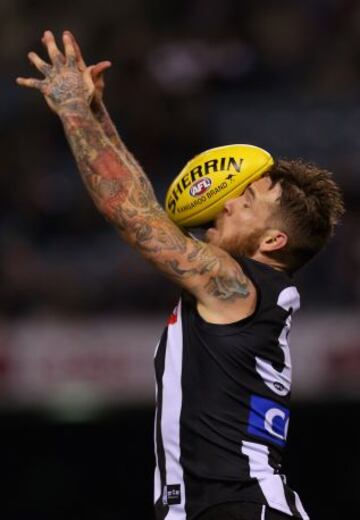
(251, 192)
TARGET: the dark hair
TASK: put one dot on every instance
(311, 205)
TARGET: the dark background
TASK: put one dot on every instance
(284, 75)
(104, 469)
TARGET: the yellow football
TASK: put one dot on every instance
(211, 178)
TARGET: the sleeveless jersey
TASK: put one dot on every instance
(223, 404)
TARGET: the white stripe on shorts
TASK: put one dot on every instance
(263, 511)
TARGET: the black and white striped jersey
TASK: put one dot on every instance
(223, 404)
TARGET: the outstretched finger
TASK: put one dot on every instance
(69, 49)
(30, 83)
(54, 53)
(40, 64)
(79, 57)
(98, 69)
(61, 56)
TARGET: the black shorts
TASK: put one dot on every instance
(242, 511)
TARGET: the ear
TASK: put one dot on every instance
(273, 240)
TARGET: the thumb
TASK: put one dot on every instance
(98, 69)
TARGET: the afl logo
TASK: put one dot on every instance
(200, 187)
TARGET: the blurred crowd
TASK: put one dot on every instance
(283, 74)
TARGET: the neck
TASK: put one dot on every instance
(272, 262)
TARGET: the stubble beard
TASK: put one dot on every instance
(242, 246)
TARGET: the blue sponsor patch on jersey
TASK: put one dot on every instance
(268, 420)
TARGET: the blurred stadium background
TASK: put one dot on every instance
(81, 312)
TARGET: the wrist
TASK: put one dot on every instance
(97, 105)
(76, 106)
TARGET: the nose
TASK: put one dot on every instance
(228, 207)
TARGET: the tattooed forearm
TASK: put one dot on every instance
(115, 184)
(120, 189)
(103, 117)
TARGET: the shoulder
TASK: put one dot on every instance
(231, 294)
(262, 274)
(274, 286)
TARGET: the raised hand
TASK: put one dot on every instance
(65, 82)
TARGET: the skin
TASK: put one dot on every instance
(123, 193)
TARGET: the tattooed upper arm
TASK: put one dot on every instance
(209, 273)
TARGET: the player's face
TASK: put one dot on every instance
(244, 221)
